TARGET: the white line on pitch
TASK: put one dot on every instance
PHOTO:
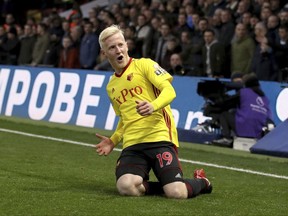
(116, 149)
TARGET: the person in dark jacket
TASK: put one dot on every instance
(27, 43)
(11, 47)
(263, 61)
(51, 56)
(213, 55)
(89, 47)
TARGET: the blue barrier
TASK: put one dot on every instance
(78, 97)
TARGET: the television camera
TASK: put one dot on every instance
(216, 95)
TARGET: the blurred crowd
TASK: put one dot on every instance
(213, 38)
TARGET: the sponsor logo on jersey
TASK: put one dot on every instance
(128, 93)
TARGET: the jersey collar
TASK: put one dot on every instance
(129, 62)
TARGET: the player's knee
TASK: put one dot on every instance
(127, 186)
(175, 191)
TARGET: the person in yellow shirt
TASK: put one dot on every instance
(141, 92)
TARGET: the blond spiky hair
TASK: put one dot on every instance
(109, 31)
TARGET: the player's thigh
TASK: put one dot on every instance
(166, 165)
(132, 163)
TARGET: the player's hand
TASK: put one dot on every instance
(105, 146)
(144, 108)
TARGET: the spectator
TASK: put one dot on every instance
(243, 48)
(51, 56)
(96, 25)
(203, 7)
(130, 32)
(283, 15)
(3, 35)
(133, 14)
(133, 50)
(65, 27)
(148, 14)
(69, 55)
(187, 55)
(263, 62)
(31, 21)
(233, 5)
(253, 21)
(216, 5)
(156, 33)
(93, 12)
(173, 46)
(75, 16)
(246, 17)
(242, 8)
(227, 28)
(9, 21)
(178, 68)
(27, 43)
(215, 22)
(41, 44)
(273, 23)
(190, 14)
(252, 113)
(76, 35)
(109, 18)
(265, 14)
(143, 35)
(56, 27)
(213, 56)
(181, 25)
(198, 43)
(89, 48)
(281, 50)
(162, 43)
(20, 31)
(275, 6)
(225, 37)
(11, 47)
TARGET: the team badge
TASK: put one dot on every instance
(130, 77)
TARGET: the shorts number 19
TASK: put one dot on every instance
(165, 156)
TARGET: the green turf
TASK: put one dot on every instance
(44, 177)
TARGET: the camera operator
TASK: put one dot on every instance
(215, 93)
(250, 115)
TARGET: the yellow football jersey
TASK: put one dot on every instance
(139, 82)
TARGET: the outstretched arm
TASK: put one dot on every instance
(105, 146)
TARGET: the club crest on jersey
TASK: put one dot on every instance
(130, 77)
(159, 70)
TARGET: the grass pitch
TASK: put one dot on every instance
(39, 177)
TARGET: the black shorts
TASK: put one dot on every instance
(161, 157)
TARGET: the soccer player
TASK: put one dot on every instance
(140, 92)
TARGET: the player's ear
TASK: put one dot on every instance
(103, 52)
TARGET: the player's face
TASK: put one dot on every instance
(116, 50)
